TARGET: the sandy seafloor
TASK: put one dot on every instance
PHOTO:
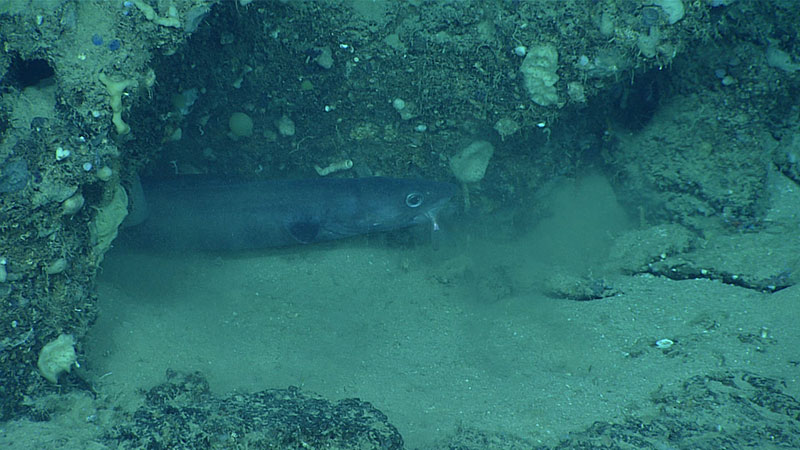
(462, 337)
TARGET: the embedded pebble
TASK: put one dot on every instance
(72, 204)
(56, 266)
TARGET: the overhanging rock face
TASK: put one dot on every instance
(71, 70)
(94, 91)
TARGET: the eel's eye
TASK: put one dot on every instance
(414, 199)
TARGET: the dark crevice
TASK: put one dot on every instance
(25, 73)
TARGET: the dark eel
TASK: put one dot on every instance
(197, 213)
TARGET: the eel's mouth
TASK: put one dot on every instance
(432, 214)
(436, 230)
(442, 208)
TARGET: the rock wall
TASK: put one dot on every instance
(93, 92)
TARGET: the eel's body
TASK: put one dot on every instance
(194, 213)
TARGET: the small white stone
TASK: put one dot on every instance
(399, 104)
(73, 204)
(104, 173)
(61, 153)
(520, 50)
(56, 267)
(728, 80)
(285, 126)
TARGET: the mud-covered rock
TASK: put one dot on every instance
(183, 413)
(692, 166)
(694, 414)
(565, 285)
(635, 250)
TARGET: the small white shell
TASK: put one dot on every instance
(664, 343)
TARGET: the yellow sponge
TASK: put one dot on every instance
(115, 91)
